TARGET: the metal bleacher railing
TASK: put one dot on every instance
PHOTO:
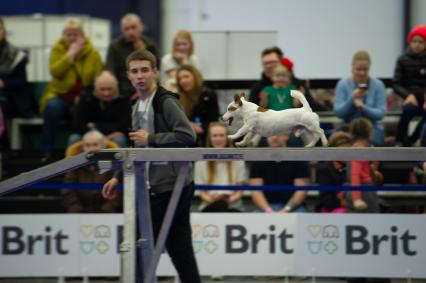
(131, 162)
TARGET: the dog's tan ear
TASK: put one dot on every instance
(243, 94)
(237, 99)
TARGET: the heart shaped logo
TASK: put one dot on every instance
(314, 230)
(197, 229)
(87, 230)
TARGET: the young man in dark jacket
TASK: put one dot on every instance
(159, 121)
(409, 82)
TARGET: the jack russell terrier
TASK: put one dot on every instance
(267, 122)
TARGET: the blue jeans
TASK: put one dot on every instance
(55, 110)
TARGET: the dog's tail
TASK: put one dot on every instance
(297, 94)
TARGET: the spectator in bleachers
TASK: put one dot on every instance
(333, 173)
(88, 201)
(182, 54)
(74, 64)
(277, 96)
(15, 97)
(290, 173)
(409, 82)
(271, 57)
(105, 110)
(132, 39)
(362, 96)
(363, 172)
(220, 173)
(199, 102)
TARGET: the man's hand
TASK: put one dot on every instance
(139, 138)
(109, 191)
(410, 99)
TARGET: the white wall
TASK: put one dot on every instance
(418, 12)
(320, 36)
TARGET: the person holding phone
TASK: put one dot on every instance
(362, 96)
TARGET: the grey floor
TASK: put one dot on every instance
(205, 280)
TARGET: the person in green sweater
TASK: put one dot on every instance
(277, 96)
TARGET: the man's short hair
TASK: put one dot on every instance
(274, 49)
(142, 55)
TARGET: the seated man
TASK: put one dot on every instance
(88, 201)
(279, 173)
(105, 111)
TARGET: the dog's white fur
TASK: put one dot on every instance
(267, 122)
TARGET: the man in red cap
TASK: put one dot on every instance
(409, 82)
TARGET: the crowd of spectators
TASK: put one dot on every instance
(96, 98)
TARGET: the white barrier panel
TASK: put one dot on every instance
(346, 245)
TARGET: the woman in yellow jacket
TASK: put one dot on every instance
(74, 65)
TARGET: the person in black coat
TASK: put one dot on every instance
(333, 173)
(15, 96)
(105, 110)
(199, 103)
(409, 82)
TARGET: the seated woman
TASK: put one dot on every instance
(362, 96)
(220, 173)
(105, 110)
(74, 64)
(199, 103)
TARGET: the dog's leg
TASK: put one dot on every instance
(298, 133)
(245, 140)
(324, 140)
(241, 132)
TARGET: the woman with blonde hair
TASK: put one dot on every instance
(362, 96)
(220, 173)
(74, 64)
(182, 54)
(199, 103)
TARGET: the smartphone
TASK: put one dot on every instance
(363, 86)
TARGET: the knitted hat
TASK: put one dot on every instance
(417, 31)
(288, 63)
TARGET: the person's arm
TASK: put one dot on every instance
(378, 109)
(18, 76)
(398, 80)
(356, 173)
(298, 197)
(258, 197)
(343, 105)
(60, 63)
(181, 134)
(263, 99)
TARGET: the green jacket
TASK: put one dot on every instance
(87, 66)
